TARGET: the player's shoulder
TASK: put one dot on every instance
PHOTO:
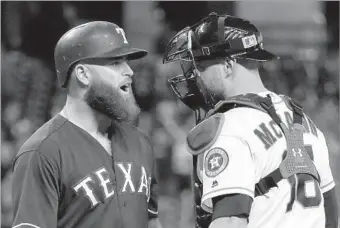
(240, 121)
(240, 113)
(204, 134)
(44, 139)
(249, 114)
(43, 142)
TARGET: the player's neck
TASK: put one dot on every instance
(81, 114)
(250, 82)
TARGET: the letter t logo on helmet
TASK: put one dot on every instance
(121, 31)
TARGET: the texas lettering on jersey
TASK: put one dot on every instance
(100, 178)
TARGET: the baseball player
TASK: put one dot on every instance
(259, 161)
(88, 166)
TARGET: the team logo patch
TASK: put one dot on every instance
(249, 41)
(216, 161)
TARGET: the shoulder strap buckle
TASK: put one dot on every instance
(297, 107)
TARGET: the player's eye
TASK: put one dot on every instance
(115, 62)
(200, 67)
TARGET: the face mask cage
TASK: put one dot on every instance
(180, 48)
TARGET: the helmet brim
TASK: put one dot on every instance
(130, 53)
(260, 55)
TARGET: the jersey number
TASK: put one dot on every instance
(304, 188)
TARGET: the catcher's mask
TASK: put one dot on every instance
(214, 37)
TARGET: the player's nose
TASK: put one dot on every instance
(127, 71)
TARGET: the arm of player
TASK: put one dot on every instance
(327, 184)
(35, 194)
(322, 164)
(228, 170)
(222, 211)
(153, 200)
(232, 222)
(331, 208)
(228, 186)
(154, 223)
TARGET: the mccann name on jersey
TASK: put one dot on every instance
(270, 132)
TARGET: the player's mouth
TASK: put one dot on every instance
(126, 88)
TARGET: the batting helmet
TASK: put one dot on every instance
(97, 39)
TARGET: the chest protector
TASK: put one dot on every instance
(296, 160)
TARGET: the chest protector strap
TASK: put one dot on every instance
(296, 160)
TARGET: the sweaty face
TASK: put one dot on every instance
(110, 91)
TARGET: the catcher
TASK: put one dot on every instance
(259, 160)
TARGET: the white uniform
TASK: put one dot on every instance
(249, 147)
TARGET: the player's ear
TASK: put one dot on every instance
(82, 74)
(228, 67)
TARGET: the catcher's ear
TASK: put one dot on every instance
(228, 66)
(196, 72)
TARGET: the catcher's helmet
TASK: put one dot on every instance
(97, 39)
(218, 36)
(214, 37)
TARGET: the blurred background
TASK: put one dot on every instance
(305, 34)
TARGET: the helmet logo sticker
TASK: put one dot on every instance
(201, 29)
(249, 41)
(216, 161)
(233, 33)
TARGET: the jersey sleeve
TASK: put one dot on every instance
(324, 169)
(153, 201)
(153, 180)
(35, 194)
(228, 168)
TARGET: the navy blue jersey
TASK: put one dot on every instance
(63, 177)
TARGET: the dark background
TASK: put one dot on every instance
(309, 71)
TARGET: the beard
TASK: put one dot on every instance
(216, 95)
(215, 89)
(112, 102)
